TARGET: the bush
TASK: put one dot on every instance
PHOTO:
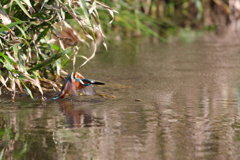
(32, 49)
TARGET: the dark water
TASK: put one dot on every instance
(161, 101)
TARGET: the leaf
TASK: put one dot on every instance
(42, 34)
(112, 14)
(55, 47)
(62, 13)
(4, 82)
(8, 62)
(66, 61)
(54, 84)
(22, 31)
(39, 87)
(15, 49)
(85, 9)
(27, 2)
(43, 4)
(50, 60)
(25, 77)
(93, 7)
(2, 153)
(8, 26)
(3, 15)
(27, 89)
(89, 36)
(19, 84)
(23, 8)
(100, 29)
(110, 10)
(58, 66)
(4, 28)
(74, 32)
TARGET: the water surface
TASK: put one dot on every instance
(161, 101)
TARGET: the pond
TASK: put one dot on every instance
(166, 101)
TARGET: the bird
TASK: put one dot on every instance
(75, 82)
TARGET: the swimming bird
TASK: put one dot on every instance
(76, 82)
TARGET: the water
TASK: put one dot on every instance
(161, 101)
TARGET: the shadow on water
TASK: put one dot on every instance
(160, 101)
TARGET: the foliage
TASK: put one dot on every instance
(32, 50)
(160, 17)
(132, 21)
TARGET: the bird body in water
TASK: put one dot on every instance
(75, 82)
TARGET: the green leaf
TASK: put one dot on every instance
(22, 31)
(55, 47)
(8, 26)
(85, 9)
(15, 49)
(23, 8)
(66, 61)
(30, 8)
(8, 62)
(62, 13)
(50, 60)
(27, 89)
(7, 58)
(2, 153)
(42, 34)
(45, 1)
(4, 28)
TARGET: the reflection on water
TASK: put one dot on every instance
(188, 108)
(78, 117)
